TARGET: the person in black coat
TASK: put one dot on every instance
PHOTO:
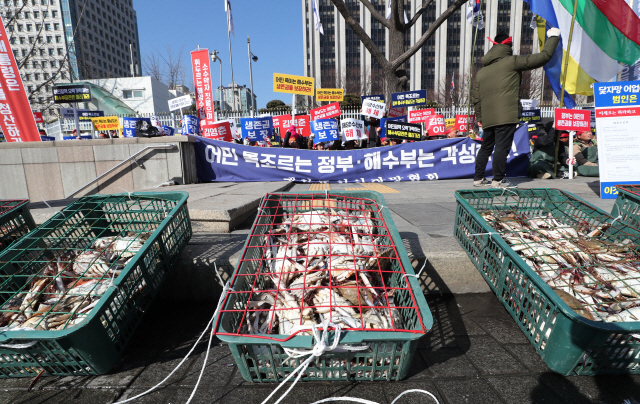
(292, 139)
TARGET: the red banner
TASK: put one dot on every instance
(421, 115)
(396, 112)
(16, 117)
(572, 119)
(615, 112)
(202, 84)
(435, 125)
(328, 111)
(303, 127)
(218, 131)
(38, 117)
(461, 122)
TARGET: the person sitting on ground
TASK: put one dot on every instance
(585, 153)
(544, 148)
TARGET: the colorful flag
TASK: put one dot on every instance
(227, 8)
(316, 17)
(474, 16)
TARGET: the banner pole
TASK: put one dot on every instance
(76, 119)
(475, 37)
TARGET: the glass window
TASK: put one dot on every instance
(54, 14)
(36, 14)
(52, 63)
(51, 52)
(60, 52)
(58, 39)
(138, 94)
(37, 76)
(47, 27)
(19, 27)
(56, 26)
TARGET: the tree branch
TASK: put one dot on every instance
(381, 18)
(368, 43)
(432, 29)
(421, 10)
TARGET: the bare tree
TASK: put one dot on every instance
(395, 77)
(153, 67)
(167, 68)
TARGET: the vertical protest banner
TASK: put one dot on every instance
(435, 125)
(325, 130)
(329, 94)
(220, 130)
(328, 111)
(617, 122)
(373, 109)
(461, 122)
(202, 83)
(257, 129)
(352, 129)
(17, 120)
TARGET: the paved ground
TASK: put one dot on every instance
(474, 353)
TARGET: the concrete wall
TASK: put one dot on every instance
(53, 170)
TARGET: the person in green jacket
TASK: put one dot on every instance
(496, 101)
(585, 153)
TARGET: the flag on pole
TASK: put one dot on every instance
(227, 8)
(388, 13)
(474, 16)
(316, 17)
(453, 87)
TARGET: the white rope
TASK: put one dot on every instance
(226, 288)
(417, 276)
(51, 209)
(19, 346)
(616, 219)
(481, 234)
(363, 401)
(319, 348)
(128, 193)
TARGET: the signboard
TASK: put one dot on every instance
(328, 111)
(436, 126)
(38, 117)
(352, 129)
(617, 122)
(449, 122)
(403, 130)
(528, 104)
(16, 120)
(286, 83)
(421, 115)
(256, 129)
(106, 123)
(71, 93)
(373, 109)
(409, 98)
(329, 94)
(202, 83)
(234, 129)
(302, 122)
(531, 116)
(396, 112)
(375, 97)
(461, 122)
(325, 130)
(220, 130)
(383, 130)
(168, 130)
(129, 127)
(180, 102)
(190, 125)
(572, 119)
(83, 114)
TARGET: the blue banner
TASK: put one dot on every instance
(376, 97)
(418, 161)
(168, 130)
(48, 138)
(325, 130)
(620, 94)
(190, 125)
(129, 126)
(257, 129)
(409, 98)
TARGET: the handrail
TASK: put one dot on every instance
(160, 146)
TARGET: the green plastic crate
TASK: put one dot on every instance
(567, 342)
(628, 204)
(15, 221)
(95, 345)
(390, 353)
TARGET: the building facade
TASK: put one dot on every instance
(338, 58)
(70, 40)
(245, 99)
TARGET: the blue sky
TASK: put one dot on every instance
(274, 26)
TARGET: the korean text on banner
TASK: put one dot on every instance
(256, 129)
(403, 130)
(180, 102)
(461, 122)
(202, 83)
(409, 98)
(190, 125)
(395, 112)
(617, 122)
(106, 123)
(572, 119)
(220, 130)
(71, 93)
(421, 115)
(329, 94)
(286, 83)
(129, 127)
(38, 117)
(435, 125)
(325, 130)
(302, 122)
(17, 121)
(352, 129)
(449, 122)
(383, 124)
(375, 97)
(328, 111)
(373, 109)
(531, 116)
(168, 130)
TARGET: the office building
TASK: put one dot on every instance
(69, 40)
(338, 58)
(245, 100)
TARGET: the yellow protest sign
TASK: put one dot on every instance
(286, 83)
(106, 123)
(329, 94)
(449, 122)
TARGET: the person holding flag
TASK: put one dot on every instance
(496, 101)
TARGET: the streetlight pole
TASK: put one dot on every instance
(255, 59)
(214, 58)
(233, 83)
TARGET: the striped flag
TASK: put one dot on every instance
(605, 32)
(316, 17)
(474, 16)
